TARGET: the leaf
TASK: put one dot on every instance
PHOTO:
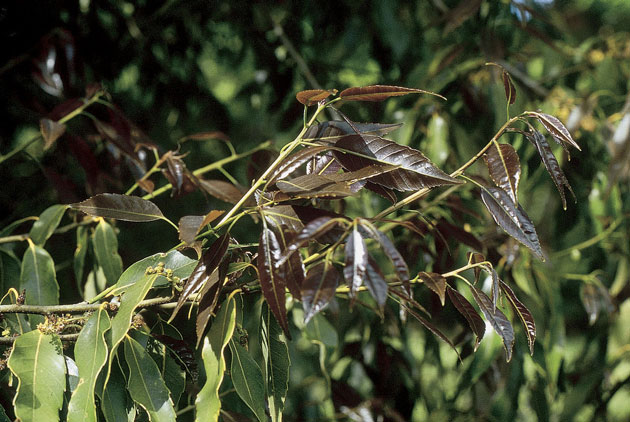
(524, 315)
(145, 383)
(313, 186)
(51, 131)
(209, 296)
(46, 224)
(557, 130)
(464, 307)
(120, 207)
(248, 380)
(551, 164)
(115, 402)
(311, 231)
(38, 278)
(512, 218)
(189, 226)
(375, 283)
(510, 89)
(90, 352)
(504, 168)
(294, 161)
(318, 288)
(476, 258)
(313, 96)
(331, 131)
(497, 319)
(435, 282)
(182, 180)
(208, 403)
(80, 253)
(225, 191)
(356, 261)
(431, 328)
(200, 276)
(293, 269)
(380, 93)
(105, 246)
(277, 362)
(271, 281)
(38, 363)
(414, 171)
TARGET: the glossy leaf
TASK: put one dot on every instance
(182, 180)
(356, 261)
(37, 362)
(504, 167)
(294, 161)
(277, 362)
(314, 186)
(201, 275)
(323, 164)
(464, 307)
(189, 226)
(524, 315)
(90, 352)
(551, 164)
(116, 404)
(512, 218)
(80, 253)
(557, 130)
(318, 288)
(207, 403)
(105, 246)
(380, 93)
(38, 277)
(375, 283)
(51, 131)
(414, 171)
(209, 297)
(311, 231)
(510, 89)
(331, 131)
(497, 319)
(46, 224)
(120, 207)
(173, 356)
(145, 383)
(313, 96)
(293, 268)
(435, 282)
(248, 380)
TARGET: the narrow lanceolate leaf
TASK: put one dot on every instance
(225, 191)
(313, 96)
(293, 268)
(331, 131)
(294, 161)
(51, 131)
(356, 261)
(524, 315)
(476, 258)
(200, 276)
(464, 307)
(558, 131)
(145, 383)
(380, 93)
(414, 171)
(38, 277)
(248, 380)
(207, 403)
(375, 283)
(510, 90)
(46, 224)
(431, 328)
(120, 207)
(271, 281)
(435, 282)
(37, 362)
(551, 164)
(115, 402)
(311, 231)
(189, 226)
(318, 288)
(511, 218)
(90, 352)
(209, 297)
(504, 168)
(276, 359)
(497, 319)
(105, 246)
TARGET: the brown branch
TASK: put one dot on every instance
(74, 308)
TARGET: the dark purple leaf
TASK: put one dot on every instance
(293, 269)
(323, 164)
(386, 193)
(525, 316)
(375, 283)
(504, 168)
(356, 261)
(380, 92)
(510, 90)
(431, 328)
(292, 162)
(311, 231)
(318, 288)
(557, 130)
(435, 282)
(464, 307)
(313, 96)
(209, 297)
(476, 258)
(497, 319)
(330, 132)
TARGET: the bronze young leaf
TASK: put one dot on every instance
(318, 288)
(504, 167)
(331, 131)
(313, 96)
(380, 93)
(120, 207)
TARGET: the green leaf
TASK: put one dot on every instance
(115, 402)
(318, 288)
(248, 380)
(80, 253)
(9, 271)
(319, 329)
(38, 277)
(207, 403)
(38, 363)
(46, 224)
(90, 352)
(145, 383)
(3, 415)
(277, 362)
(105, 246)
(120, 207)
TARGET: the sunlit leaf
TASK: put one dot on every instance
(380, 93)
(555, 127)
(51, 131)
(277, 362)
(331, 131)
(464, 307)
(356, 261)
(311, 231)
(510, 90)
(119, 207)
(248, 380)
(318, 288)
(435, 282)
(38, 277)
(209, 297)
(497, 319)
(524, 315)
(504, 167)
(46, 224)
(105, 245)
(313, 96)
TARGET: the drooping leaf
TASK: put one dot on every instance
(51, 131)
(524, 315)
(189, 226)
(557, 130)
(311, 231)
(293, 269)
(80, 253)
(356, 261)
(225, 191)
(90, 352)
(431, 328)
(313, 96)
(476, 258)
(435, 282)
(510, 89)
(271, 281)
(414, 171)
(380, 93)
(46, 224)
(165, 351)
(201, 275)
(37, 362)
(294, 161)
(207, 403)
(105, 245)
(375, 283)
(38, 277)
(497, 319)
(209, 297)
(331, 131)
(145, 383)
(504, 167)
(277, 362)
(119, 207)
(115, 402)
(248, 380)
(511, 218)
(318, 288)
(382, 191)
(464, 307)
(551, 164)
(314, 186)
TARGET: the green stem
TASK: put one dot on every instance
(592, 241)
